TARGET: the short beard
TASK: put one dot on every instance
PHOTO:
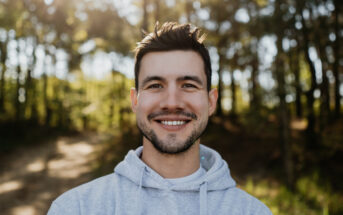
(170, 148)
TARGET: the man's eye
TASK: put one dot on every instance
(188, 85)
(153, 86)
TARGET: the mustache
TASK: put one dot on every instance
(166, 113)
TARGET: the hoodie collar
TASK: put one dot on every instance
(217, 175)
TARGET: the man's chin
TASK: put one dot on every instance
(168, 143)
(171, 148)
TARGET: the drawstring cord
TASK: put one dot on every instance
(139, 193)
(203, 198)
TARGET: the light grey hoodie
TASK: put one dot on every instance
(134, 188)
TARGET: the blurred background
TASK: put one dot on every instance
(66, 68)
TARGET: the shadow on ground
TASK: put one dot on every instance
(31, 177)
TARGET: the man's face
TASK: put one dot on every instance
(172, 104)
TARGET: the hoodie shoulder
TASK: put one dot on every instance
(93, 193)
(249, 205)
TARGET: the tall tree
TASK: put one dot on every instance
(145, 20)
(321, 43)
(337, 49)
(222, 65)
(255, 100)
(30, 82)
(294, 56)
(283, 113)
(309, 93)
(223, 36)
(3, 56)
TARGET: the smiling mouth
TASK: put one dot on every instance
(178, 122)
(173, 122)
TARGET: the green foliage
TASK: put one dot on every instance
(311, 196)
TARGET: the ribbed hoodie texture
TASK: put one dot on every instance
(134, 188)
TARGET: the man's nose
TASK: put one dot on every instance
(172, 99)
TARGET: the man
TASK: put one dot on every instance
(171, 173)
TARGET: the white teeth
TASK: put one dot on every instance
(173, 122)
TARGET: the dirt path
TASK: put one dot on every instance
(30, 178)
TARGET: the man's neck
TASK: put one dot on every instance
(171, 165)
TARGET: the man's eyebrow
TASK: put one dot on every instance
(152, 78)
(191, 78)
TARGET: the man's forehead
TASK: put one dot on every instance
(174, 64)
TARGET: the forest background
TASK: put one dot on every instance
(66, 68)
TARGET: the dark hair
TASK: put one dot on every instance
(173, 36)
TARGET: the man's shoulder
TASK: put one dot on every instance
(247, 203)
(92, 187)
(92, 191)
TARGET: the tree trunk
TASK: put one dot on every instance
(283, 115)
(34, 102)
(145, 16)
(112, 102)
(324, 99)
(310, 93)
(221, 53)
(336, 49)
(324, 86)
(48, 110)
(298, 91)
(3, 49)
(17, 102)
(46, 101)
(254, 98)
(233, 111)
(28, 90)
(219, 111)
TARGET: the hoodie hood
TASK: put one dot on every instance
(217, 175)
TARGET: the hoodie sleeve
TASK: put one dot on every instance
(65, 204)
(56, 209)
(248, 204)
(263, 210)
(259, 208)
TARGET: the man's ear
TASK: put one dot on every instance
(212, 99)
(133, 96)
